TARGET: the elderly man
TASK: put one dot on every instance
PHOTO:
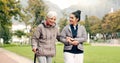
(44, 38)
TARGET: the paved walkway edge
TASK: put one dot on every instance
(16, 57)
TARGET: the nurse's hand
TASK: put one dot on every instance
(68, 39)
(74, 42)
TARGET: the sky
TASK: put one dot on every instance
(64, 3)
(24, 3)
(67, 3)
(89, 7)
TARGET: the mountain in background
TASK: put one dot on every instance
(54, 7)
(98, 10)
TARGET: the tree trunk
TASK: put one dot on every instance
(104, 36)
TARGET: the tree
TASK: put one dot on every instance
(82, 22)
(87, 24)
(37, 10)
(33, 15)
(19, 34)
(62, 23)
(8, 9)
(95, 25)
(111, 23)
(96, 28)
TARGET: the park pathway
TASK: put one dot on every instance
(10, 57)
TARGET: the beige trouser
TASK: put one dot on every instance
(73, 58)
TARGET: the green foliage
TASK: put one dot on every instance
(7, 33)
(34, 14)
(111, 22)
(86, 43)
(87, 24)
(8, 9)
(95, 25)
(19, 33)
(37, 9)
(82, 23)
(62, 23)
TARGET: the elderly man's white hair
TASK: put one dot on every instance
(51, 14)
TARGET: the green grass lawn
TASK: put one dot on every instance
(93, 54)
